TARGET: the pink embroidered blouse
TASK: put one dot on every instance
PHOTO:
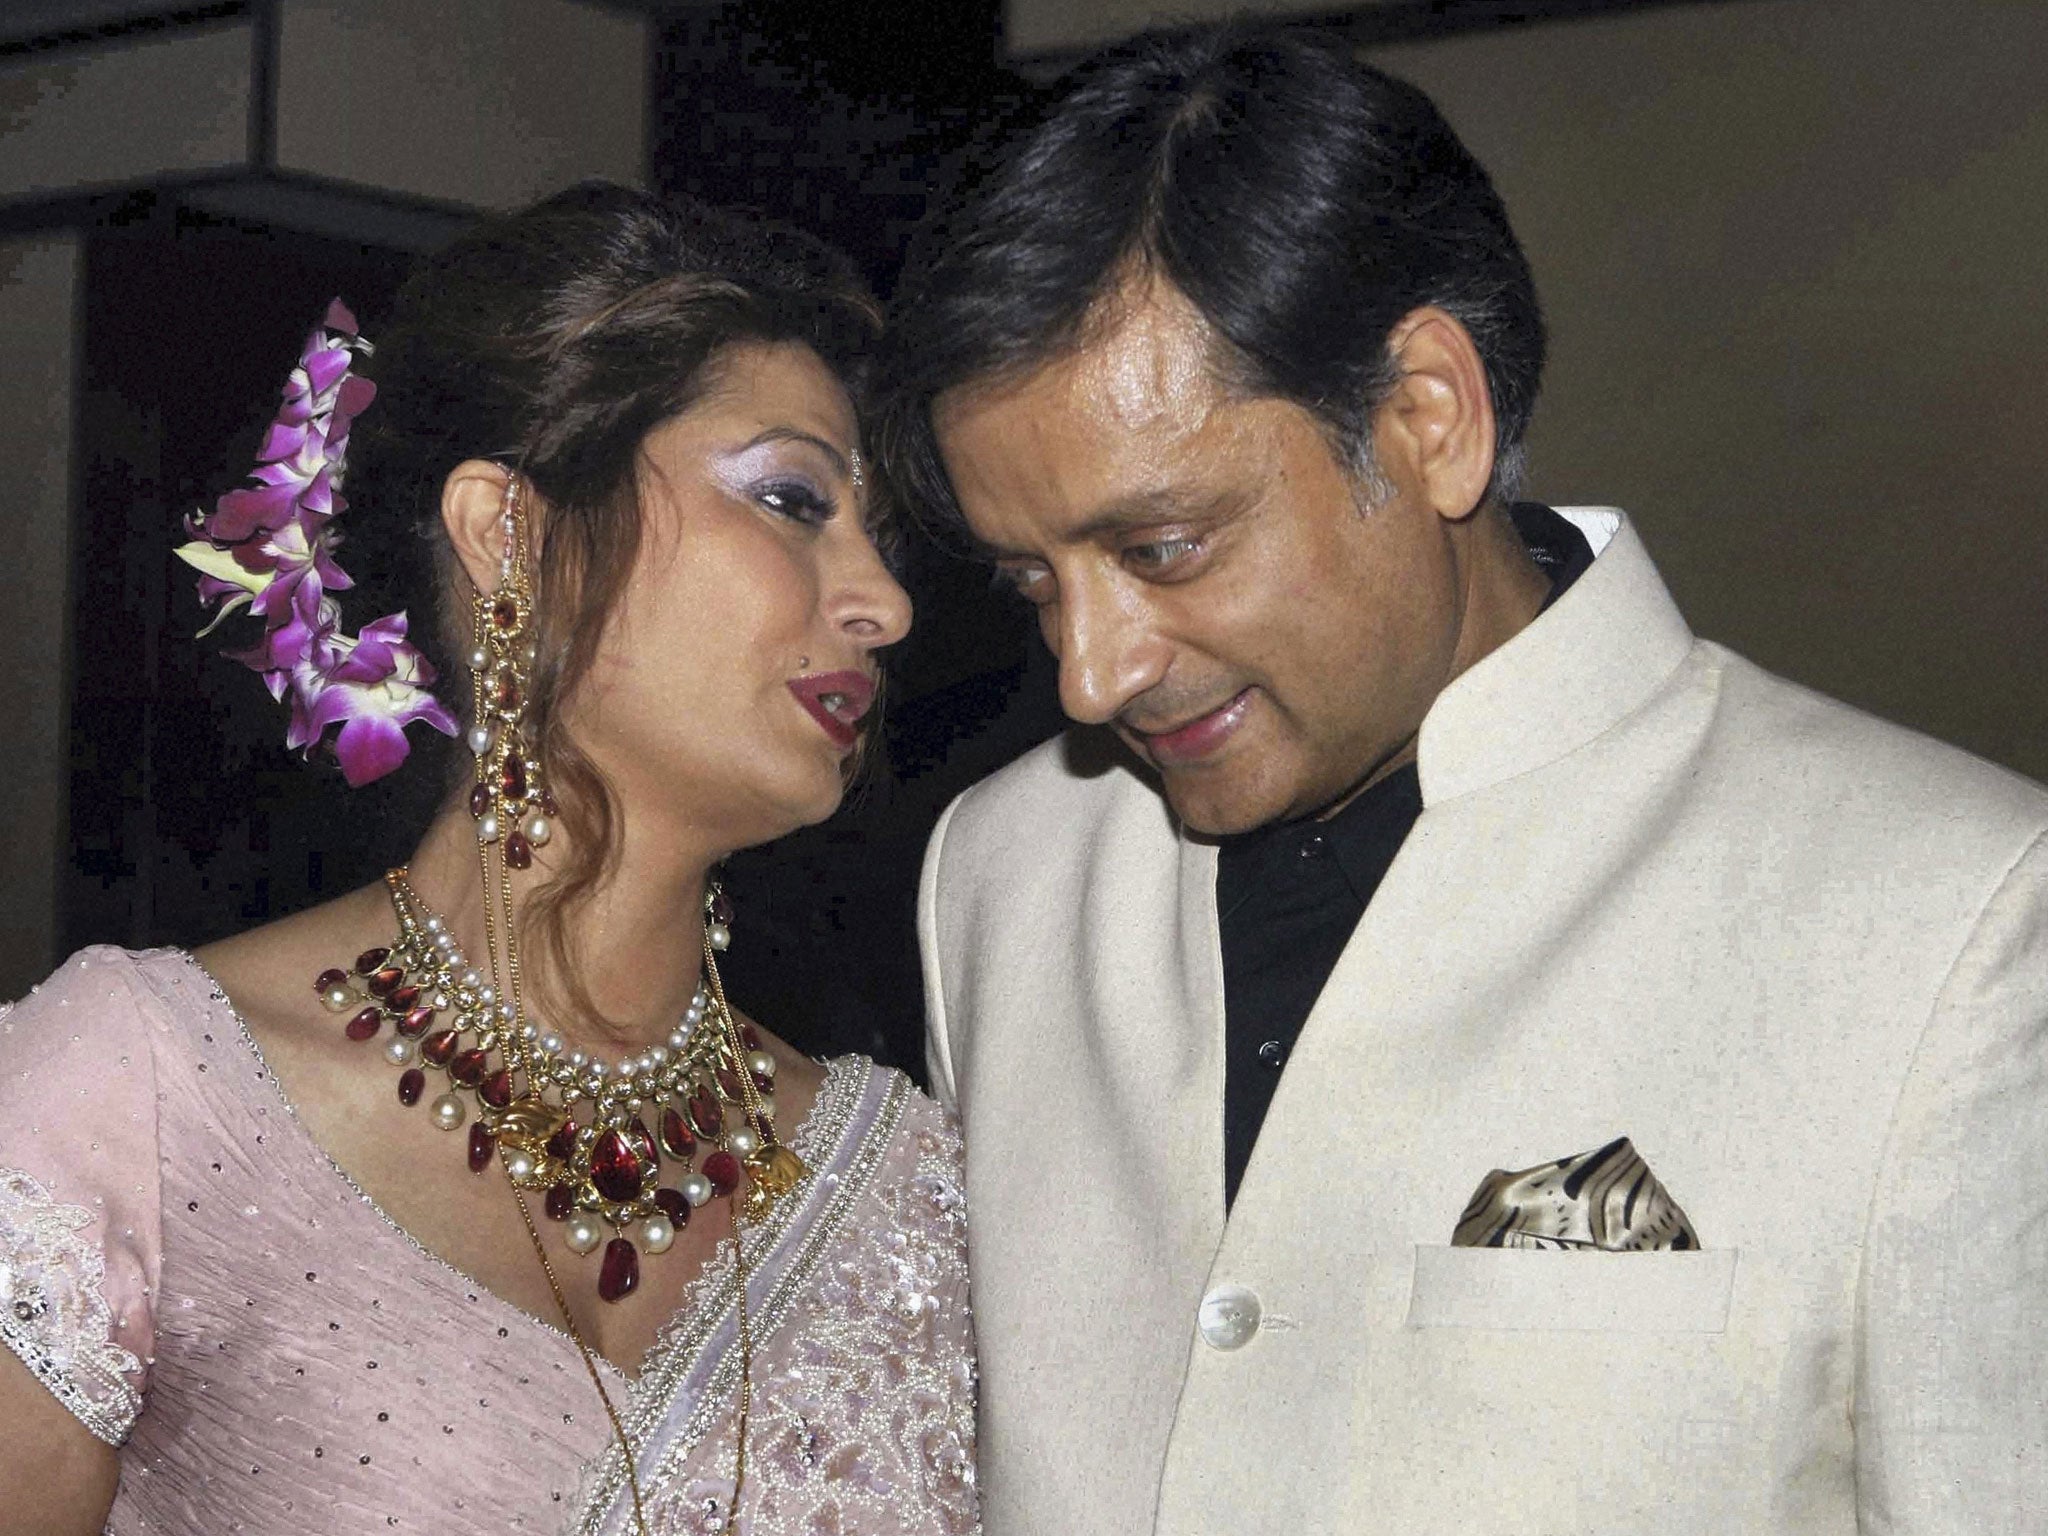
(194, 1279)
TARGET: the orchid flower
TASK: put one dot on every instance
(268, 549)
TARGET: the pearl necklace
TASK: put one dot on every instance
(562, 1121)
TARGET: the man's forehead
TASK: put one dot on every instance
(1140, 360)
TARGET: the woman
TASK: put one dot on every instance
(415, 1209)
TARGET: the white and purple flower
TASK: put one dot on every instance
(269, 548)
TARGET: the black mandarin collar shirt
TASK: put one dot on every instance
(1289, 895)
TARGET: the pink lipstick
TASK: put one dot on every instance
(836, 700)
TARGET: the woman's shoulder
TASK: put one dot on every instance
(869, 1112)
(104, 994)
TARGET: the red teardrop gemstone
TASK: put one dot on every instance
(496, 1089)
(512, 777)
(383, 981)
(370, 959)
(723, 1170)
(704, 1114)
(547, 803)
(764, 1082)
(480, 1144)
(468, 1067)
(620, 1276)
(674, 1207)
(643, 1147)
(729, 1085)
(504, 613)
(675, 1135)
(415, 1023)
(438, 1048)
(518, 851)
(403, 999)
(412, 1082)
(721, 907)
(562, 1145)
(614, 1169)
(561, 1201)
(479, 800)
(329, 978)
(365, 1024)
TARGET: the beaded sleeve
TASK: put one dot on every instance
(79, 1226)
(53, 1307)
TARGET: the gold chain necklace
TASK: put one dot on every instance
(530, 1091)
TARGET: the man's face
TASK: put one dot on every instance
(1211, 579)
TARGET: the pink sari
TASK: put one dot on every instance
(200, 1285)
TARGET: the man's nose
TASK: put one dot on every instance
(1108, 653)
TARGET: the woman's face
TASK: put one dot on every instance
(728, 689)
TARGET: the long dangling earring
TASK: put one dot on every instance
(510, 801)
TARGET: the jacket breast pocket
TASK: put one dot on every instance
(1526, 1290)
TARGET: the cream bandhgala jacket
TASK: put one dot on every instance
(1799, 956)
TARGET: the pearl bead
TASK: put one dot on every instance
(699, 997)
(678, 1038)
(448, 1112)
(537, 829)
(487, 995)
(479, 659)
(582, 1234)
(434, 924)
(693, 1015)
(479, 739)
(695, 1188)
(598, 1070)
(529, 1032)
(398, 1051)
(720, 936)
(761, 1064)
(742, 1142)
(337, 999)
(656, 1233)
(487, 827)
(656, 1055)
(519, 1165)
(551, 1042)
(577, 1059)
(471, 981)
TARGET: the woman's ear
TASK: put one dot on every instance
(1439, 419)
(473, 513)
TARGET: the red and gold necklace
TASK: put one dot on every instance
(632, 1146)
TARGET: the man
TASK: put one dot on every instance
(1441, 1048)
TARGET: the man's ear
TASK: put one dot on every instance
(1437, 426)
(473, 513)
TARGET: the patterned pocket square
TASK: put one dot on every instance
(1607, 1199)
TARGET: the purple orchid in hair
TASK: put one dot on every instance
(268, 548)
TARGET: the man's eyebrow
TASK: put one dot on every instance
(1140, 509)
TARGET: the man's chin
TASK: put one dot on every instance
(1213, 806)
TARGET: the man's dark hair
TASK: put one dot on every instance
(1303, 201)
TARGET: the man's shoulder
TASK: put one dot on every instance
(1822, 752)
(1060, 789)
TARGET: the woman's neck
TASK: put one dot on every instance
(636, 942)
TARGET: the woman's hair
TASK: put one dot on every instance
(553, 341)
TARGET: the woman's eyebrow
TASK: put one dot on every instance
(798, 435)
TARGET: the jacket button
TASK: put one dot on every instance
(1228, 1318)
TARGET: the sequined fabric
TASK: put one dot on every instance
(303, 1366)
